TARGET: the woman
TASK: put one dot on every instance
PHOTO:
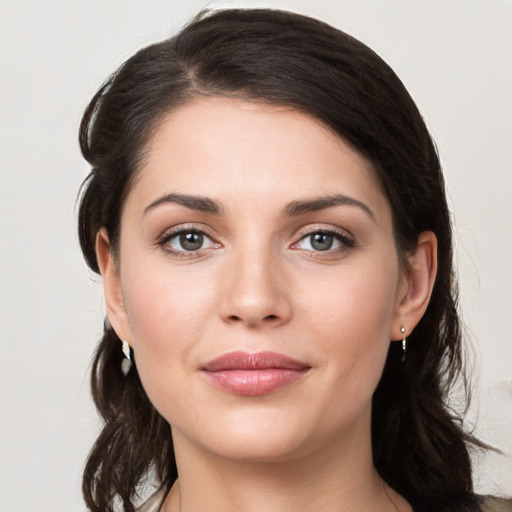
(267, 211)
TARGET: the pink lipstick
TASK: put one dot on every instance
(253, 374)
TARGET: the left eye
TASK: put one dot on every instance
(187, 241)
(320, 241)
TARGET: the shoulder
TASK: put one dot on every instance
(486, 503)
(154, 502)
(493, 504)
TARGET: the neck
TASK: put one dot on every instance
(338, 479)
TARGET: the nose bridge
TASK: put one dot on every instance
(255, 294)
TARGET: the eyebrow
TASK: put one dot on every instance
(315, 204)
(201, 204)
(292, 209)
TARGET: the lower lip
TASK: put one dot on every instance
(254, 382)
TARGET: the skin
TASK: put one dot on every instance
(258, 283)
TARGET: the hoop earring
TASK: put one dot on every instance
(404, 343)
(126, 363)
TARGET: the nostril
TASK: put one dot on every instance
(236, 318)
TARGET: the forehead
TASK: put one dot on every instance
(231, 149)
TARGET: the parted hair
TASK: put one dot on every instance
(420, 447)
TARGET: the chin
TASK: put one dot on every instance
(252, 435)
(256, 448)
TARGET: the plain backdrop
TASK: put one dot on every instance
(453, 55)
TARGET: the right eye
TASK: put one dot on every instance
(187, 241)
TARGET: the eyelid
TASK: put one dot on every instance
(322, 228)
(345, 238)
(169, 234)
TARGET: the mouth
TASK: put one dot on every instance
(254, 374)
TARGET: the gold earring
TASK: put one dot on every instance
(404, 343)
(126, 363)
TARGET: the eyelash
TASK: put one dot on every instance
(346, 242)
(171, 235)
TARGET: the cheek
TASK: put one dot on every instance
(355, 302)
(351, 315)
(167, 312)
(350, 321)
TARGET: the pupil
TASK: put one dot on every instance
(191, 241)
(322, 242)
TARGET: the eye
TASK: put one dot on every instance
(321, 241)
(188, 240)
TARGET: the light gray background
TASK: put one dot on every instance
(453, 55)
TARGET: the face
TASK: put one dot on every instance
(257, 282)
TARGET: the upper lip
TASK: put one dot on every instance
(256, 361)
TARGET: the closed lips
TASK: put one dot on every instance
(256, 361)
(256, 374)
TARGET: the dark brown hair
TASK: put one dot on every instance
(419, 445)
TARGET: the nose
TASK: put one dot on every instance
(255, 292)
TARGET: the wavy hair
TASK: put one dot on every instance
(419, 445)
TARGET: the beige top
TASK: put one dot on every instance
(488, 504)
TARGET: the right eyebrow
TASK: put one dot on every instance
(198, 203)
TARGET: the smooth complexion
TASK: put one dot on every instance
(253, 230)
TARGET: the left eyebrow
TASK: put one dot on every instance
(315, 204)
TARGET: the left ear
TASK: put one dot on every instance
(416, 285)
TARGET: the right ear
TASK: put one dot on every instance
(112, 290)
